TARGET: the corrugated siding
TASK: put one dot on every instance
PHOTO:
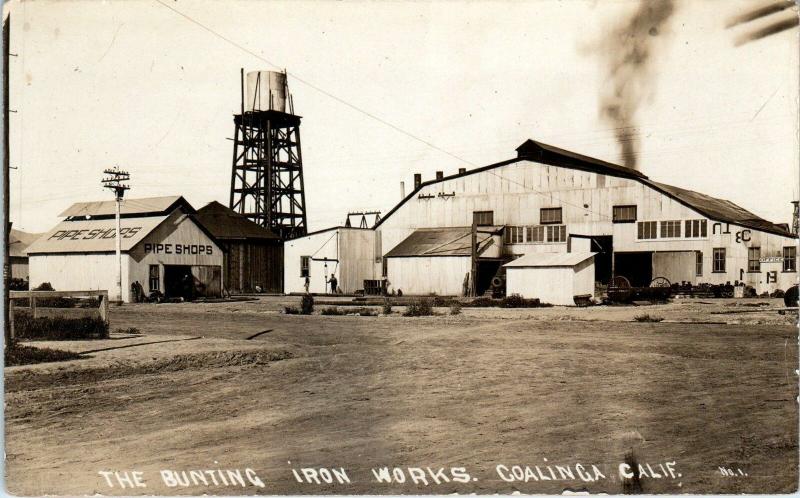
(443, 275)
(250, 264)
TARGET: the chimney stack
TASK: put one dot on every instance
(417, 180)
(796, 217)
(439, 175)
(461, 171)
(402, 190)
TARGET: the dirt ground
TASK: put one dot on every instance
(240, 385)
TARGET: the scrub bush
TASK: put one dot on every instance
(59, 329)
(647, 318)
(387, 307)
(307, 304)
(332, 310)
(455, 308)
(291, 310)
(419, 307)
(517, 301)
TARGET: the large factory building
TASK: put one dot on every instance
(163, 248)
(549, 200)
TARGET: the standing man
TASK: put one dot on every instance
(307, 283)
(333, 282)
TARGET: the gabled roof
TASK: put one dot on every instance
(450, 241)
(226, 224)
(18, 242)
(151, 206)
(550, 259)
(716, 209)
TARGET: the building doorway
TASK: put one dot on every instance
(178, 282)
(637, 267)
(487, 270)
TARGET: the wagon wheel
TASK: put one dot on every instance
(619, 289)
(660, 282)
(620, 282)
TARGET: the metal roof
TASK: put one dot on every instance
(18, 242)
(718, 209)
(224, 223)
(451, 241)
(94, 235)
(148, 205)
(550, 259)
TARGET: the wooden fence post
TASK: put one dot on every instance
(32, 300)
(11, 334)
(104, 306)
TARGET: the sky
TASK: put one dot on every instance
(384, 88)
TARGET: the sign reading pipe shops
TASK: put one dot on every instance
(178, 249)
(97, 233)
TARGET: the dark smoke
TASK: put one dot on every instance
(630, 51)
(760, 12)
(772, 29)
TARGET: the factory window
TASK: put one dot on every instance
(624, 214)
(550, 216)
(719, 260)
(698, 264)
(754, 259)
(483, 218)
(384, 267)
(514, 235)
(154, 278)
(696, 228)
(304, 260)
(648, 229)
(557, 233)
(535, 233)
(670, 229)
(790, 258)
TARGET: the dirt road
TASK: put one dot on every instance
(487, 388)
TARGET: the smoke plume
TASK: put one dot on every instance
(630, 52)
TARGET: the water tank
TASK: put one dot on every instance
(266, 90)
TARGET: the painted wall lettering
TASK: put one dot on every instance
(743, 236)
(193, 249)
(97, 233)
(718, 226)
(772, 277)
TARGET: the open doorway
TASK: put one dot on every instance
(637, 267)
(178, 281)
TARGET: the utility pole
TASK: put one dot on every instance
(114, 182)
(6, 189)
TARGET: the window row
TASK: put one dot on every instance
(547, 216)
(754, 259)
(535, 234)
(671, 229)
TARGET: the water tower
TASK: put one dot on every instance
(267, 172)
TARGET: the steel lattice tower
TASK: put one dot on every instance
(267, 172)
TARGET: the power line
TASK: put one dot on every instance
(313, 86)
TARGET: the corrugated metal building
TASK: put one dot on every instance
(253, 255)
(348, 253)
(550, 200)
(163, 248)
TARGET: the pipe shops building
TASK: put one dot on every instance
(164, 248)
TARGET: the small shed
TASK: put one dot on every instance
(554, 278)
